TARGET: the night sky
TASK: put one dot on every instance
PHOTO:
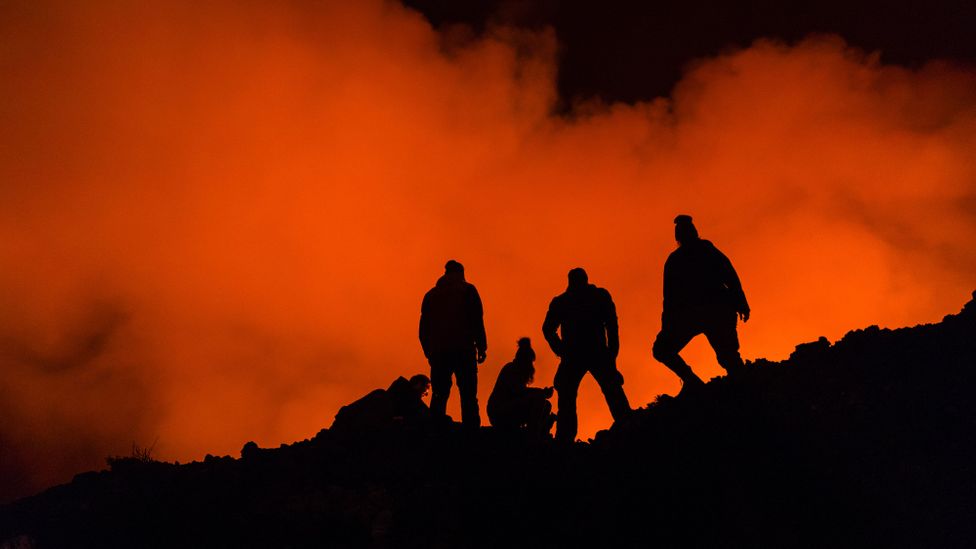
(621, 51)
(217, 221)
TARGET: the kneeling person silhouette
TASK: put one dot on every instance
(513, 404)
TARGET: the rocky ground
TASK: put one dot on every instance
(868, 442)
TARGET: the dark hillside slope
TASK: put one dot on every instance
(868, 442)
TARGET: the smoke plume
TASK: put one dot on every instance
(217, 221)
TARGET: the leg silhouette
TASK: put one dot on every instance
(612, 385)
(467, 382)
(668, 344)
(724, 340)
(440, 385)
(567, 382)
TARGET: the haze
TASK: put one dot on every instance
(217, 222)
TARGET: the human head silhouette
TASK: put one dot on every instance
(453, 271)
(577, 278)
(524, 358)
(453, 266)
(684, 229)
(421, 384)
(525, 352)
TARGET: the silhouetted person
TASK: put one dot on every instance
(587, 342)
(403, 401)
(407, 397)
(513, 404)
(702, 295)
(452, 334)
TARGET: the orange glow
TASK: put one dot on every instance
(217, 222)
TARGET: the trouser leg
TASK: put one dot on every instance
(440, 385)
(467, 382)
(724, 339)
(611, 383)
(568, 378)
(669, 342)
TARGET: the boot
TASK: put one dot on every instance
(690, 384)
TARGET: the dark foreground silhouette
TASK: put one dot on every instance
(581, 329)
(864, 443)
(513, 404)
(702, 295)
(402, 402)
(452, 335)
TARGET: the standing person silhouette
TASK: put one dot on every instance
(452, 335)
(587, 341)
(702, 295)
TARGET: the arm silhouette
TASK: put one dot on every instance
(731, 281)
(610, 322)
(425, 325)
(478, 325)
(549, 330)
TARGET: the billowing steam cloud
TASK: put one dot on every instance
(217, 222)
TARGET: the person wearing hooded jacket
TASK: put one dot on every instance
(452, 335)
(702, 295)
(587, 341)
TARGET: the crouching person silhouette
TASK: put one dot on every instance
(702, 295)
(587, 341)
(452, 334)
(402, 402)
(407, 397)
(513, 404)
